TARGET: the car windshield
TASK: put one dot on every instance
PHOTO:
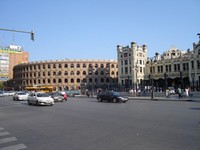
(22, 93)
(116, 93)
(42, 95)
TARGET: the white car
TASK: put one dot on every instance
(40, 98)
(20, 96)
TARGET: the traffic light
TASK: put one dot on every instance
(32, 35)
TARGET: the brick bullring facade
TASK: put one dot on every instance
(67, 74)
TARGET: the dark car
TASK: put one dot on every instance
(111, 97)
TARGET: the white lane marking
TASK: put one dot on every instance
(15, 147)
(4, 133)
(10, 139)
(1, 128)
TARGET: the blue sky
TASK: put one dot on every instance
(92, 29)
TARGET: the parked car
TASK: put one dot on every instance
(20, 96)
(111, 97)
(39, 98)
(1, 93)
(59, 96)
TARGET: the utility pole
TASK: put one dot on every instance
(31, 32)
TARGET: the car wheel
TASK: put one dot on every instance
(114, 100)
(29, 102)
(124, 101)
(99, 99)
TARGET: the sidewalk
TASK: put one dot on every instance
(172, 98)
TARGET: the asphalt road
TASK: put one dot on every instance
(85, 124)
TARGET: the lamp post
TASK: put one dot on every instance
(151, 60)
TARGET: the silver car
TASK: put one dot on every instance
(20, 96)
(39, 98)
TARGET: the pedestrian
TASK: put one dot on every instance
(187, 92)
(167, 93)
(179, 92)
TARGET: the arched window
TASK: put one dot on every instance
(78, 65)
(102, 80)
(59, 80)
(90, 65)
(72, 73)
(78, 73)
(84, 72)
(66, 80)
(102, 66)
(72, 65)
(102, 73)
(72, 80)
(78, 80)
(66, 73)
(84, 65)
(66, 66)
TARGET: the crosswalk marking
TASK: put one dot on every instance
(15, 147)
(4, 133)
(5, 140)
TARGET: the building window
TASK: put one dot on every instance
(192, 65)
(66, 73)
(161, 69)
(84, 65)
(72, 80)
(78, 65)
(90, 65)
(84, 72)
(72, 65)
(66, 80)
(175, 69)
(49, 66)
(198, 64)
(166, 68)
(54, 65)
(66, 66)
(126, 70)
(102, 66)
(170, 68)
(126, 62)
(78, 73)
(140, 69)
(60, 66)
(72, 73)
(78, 80)
(49, 81)
(179, 67)
(158, 68)
(125, 54)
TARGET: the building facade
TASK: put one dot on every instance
(174, 68)
(9, 57)
(131, 65)
(68, 74)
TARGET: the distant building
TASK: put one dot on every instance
(131, 65)
(174, 68)
(9, 57)
(68, 74)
